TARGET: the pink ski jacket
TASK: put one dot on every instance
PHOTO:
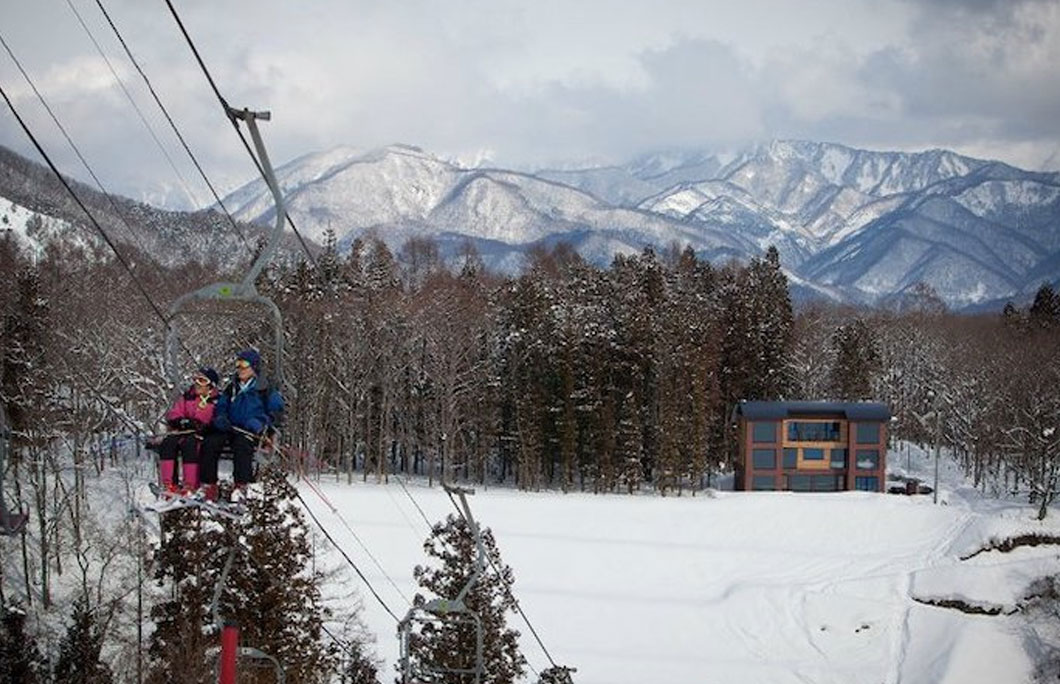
(193, 407)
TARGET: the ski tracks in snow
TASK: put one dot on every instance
(904, 604)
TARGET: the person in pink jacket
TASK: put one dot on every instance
(190, 415)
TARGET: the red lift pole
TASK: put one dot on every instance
(229, 653)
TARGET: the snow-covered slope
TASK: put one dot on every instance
(32, 230)
(736, 587)
(721, 587)
(40, 210)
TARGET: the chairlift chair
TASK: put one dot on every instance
(451, 613)
(244, 291)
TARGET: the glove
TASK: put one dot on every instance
(187, 424)
(255, 426)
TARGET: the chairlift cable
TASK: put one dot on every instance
(357, 538)
(345, 556)
(511, 595)
(91, 218)
(136, 107)
(430, 525)
(173, 125)
(55, 119)
(404, 515)
(227, 109)
(338, 642)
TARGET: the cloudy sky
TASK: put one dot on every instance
(529, 83)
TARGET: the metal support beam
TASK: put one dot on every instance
(244, 290)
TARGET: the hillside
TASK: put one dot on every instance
(862, 226)
(30, 195)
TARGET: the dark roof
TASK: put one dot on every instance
(778, 410)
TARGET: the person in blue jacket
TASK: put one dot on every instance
(247, 408)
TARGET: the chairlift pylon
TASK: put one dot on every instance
(446, 611)
(231, 651)
(11, 522)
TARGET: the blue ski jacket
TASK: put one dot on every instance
(253, 408)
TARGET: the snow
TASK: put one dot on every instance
(720, 587)
(731, 587)
(16, 218)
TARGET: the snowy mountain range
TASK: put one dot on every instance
(37, 209)
(853, 225)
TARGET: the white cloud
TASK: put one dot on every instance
(538, 82)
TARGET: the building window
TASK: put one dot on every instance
(809, 454)
(838, 458)
(791, 458)
(804, 431)
(815, 483)
(867, 459)
(764, 432)
(868, 433)
(826, 483)
(867, 484)
(764, 459)
(763, 483)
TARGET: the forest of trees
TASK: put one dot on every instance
(569, 376)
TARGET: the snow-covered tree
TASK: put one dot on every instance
(20, 657)
(557, 674)
(857, 361)
(271, 591)
(79, 651)
(451, 645)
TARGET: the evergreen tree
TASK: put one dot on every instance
(79, 652)
(857, 361)
(557, 674)
(451, 644)
(526, 365)
(270, 591)
(358, 666)
(773, 322)
(381, 269)
(189, 563)
(328, 266)
(1045, 311)
(20, 658)
(759, 324)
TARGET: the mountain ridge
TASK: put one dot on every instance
(856, 225)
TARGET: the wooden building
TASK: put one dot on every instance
(811, 446)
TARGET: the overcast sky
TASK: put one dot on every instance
(531, 83)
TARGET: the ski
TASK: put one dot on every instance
(227, 509)
(167, 501)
